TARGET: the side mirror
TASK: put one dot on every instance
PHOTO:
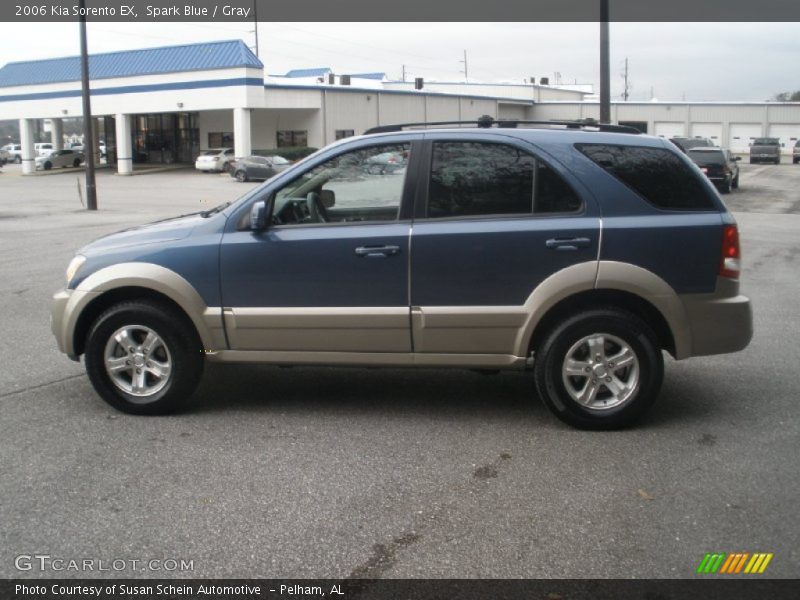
(258, 216)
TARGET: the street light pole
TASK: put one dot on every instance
(255, 23)
(88, 133)
(605, 69)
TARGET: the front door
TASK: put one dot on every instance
(330, 274)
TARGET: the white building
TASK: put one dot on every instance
(165, 104)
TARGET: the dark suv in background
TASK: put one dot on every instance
(719, 165)
(580, 252)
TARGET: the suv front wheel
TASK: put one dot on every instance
(600, 369)
(143, 357)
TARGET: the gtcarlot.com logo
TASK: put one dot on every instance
(734, 563)
(45, 562)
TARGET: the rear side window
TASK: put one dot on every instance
(477, 178)
(656, 174)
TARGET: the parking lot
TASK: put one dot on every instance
(319, 472)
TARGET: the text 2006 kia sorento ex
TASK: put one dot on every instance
(579, 252)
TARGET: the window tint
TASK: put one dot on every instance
(476, 178)
(362, 185)
(656, 174)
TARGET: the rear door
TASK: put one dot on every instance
(493, 221)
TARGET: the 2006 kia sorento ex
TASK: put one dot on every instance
(578, 254)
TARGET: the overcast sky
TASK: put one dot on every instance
(672, 61)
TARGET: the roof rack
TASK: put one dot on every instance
(487, 121)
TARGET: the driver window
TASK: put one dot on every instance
(362, 185)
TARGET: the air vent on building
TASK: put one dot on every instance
(331, 79)
(419, 83)
(533, 80)
(344, 79)
(545, 81)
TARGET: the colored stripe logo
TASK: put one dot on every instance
(734, 563)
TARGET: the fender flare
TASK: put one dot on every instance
(207, 321)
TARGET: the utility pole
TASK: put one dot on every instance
(466, 71)
(88, 133)
(255, 23)
(605, 73)
(404, 73)
(626, 89)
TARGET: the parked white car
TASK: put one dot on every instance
(43, 149)
(215, 159)
(14, 152)
(59, 158)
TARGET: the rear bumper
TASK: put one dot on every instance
(720, 322)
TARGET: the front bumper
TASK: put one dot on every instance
(64, 312)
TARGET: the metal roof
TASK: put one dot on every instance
(130, 63)
(378, 76)
(308, 72)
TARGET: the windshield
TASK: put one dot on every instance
(212, 152)
(766, 142)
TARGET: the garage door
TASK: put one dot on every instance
(712, 131)
(512, 111)
(788, 135)
(741, 136)
(669, 129)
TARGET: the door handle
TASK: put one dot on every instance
(567, 243)
(377, 251)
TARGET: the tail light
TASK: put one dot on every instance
(730, 264)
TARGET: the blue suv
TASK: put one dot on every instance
(579, 252)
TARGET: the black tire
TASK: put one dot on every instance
(725, 187)
(777, 161)
(241, 176)
(551, 354)
(226, 167)
(735, 182)
(48, 165)
(76, 163)
(179, 338)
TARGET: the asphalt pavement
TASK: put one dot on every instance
(320, 472)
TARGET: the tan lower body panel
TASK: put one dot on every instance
(468, 329)
(370, 359)
(319, 329)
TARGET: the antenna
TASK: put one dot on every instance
(465, 71)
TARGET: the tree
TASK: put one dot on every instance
(787, 96)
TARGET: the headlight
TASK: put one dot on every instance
(74, 265)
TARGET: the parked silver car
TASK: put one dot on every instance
(258, 168)
(59, 158)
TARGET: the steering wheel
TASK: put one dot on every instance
(316, 211)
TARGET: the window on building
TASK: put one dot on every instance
(220, 139)
(344, 133)
(292, 139)
(475, 178)
(658, 175)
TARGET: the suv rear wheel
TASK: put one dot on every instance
(600, 369)
(143, 357)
